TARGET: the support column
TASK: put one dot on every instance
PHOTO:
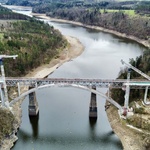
(33, 104)
(2, 96)
(127, 93)
(18, 84)
(4, 87)
(145, 96)
(93, 106)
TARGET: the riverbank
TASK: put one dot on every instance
(131, 139)
(143, 42)
(74, 49)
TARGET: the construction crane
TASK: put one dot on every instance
(4, 98)
(128, 88)
(137, 70)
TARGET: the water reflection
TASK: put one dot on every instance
(110, 137)
(24, 136)
(92, 123)
(34, 120)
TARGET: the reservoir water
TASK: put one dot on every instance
(63, 122)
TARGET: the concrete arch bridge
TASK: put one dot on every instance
(90, 85)
(33, 106)
(86, 84)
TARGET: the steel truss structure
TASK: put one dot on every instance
(100, 83)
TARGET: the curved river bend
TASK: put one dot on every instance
(63, 122)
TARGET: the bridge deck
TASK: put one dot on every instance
(104, 83)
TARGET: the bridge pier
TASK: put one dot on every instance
(145, 96)
(33, 107)
(93, 106)
(2, 95)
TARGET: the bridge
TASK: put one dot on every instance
(35, 84)
(101, 83)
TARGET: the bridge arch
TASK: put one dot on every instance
(65, 85)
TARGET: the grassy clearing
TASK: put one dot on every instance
(1, 36)
(128, 12)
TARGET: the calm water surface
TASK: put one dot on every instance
(63, 122)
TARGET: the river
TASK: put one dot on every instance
(63, 122)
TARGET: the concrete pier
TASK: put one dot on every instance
(33, 107)
(93, 106)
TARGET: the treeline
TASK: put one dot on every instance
(23, 2)
(33, 41)
(6, 14)
(91, 14)
(13, 16)
(139, 6)
(143, 8)
(99, 5)
(117, 21)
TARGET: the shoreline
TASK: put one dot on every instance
(123, 35)
(131, 139)
(73, 50)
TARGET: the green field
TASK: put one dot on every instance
(1, 36)
(129, 12)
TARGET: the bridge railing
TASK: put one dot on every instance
(101, 83)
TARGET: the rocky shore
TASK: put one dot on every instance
(74, 49)
(131, 138)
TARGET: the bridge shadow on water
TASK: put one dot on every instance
(35, 126)
(72, 141)
(69, 140)
(92, 123)
(107, 137)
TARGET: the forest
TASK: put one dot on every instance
(114, 17)
(33, 41)
(25, 38)
(6, 14)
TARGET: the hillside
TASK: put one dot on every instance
(6, 14)
(25, 38)
(120, 17)
(34, 42)
(141, 118)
